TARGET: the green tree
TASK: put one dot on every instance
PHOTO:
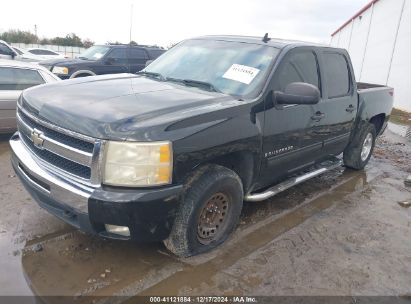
(19, 36)
(70, 40)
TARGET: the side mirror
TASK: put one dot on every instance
(298, 93)
(148, 62)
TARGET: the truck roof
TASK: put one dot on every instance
(274, 42)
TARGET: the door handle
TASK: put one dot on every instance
(350, 109)
(318, 116)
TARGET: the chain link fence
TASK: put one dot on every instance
(68, 51)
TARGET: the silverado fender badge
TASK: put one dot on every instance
(278, 151)
(36, 138)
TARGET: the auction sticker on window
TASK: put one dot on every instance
(241, 73)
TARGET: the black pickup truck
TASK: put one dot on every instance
(172, 152)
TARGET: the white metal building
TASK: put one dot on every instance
(378, 39)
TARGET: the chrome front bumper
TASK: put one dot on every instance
(58, 188)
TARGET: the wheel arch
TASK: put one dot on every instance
(243, 163)
(80, 72)
(378, 122)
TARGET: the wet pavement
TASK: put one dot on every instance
(343, 233)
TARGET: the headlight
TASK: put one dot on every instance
(60, 70)
(138, 164)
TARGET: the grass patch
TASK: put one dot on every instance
(400, 117)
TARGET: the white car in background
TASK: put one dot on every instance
(33, 54)
(38, 54)
(16, 76)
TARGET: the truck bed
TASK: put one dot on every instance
(365, 86)
(373, 100)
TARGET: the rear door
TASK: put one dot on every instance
(338, 106)
(137, 58)
(12, 82)
(289, 143)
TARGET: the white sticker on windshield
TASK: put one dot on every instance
(241, 73)
(98, 55)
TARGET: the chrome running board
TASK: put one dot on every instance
(274, 190)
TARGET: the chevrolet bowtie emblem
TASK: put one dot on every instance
(36, 138)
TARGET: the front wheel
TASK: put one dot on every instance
(208, 213)
(359, 151)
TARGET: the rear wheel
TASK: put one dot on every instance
(359, 151)
(208, 213)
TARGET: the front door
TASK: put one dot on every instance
(114, 62)
(289, 143)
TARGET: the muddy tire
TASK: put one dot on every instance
(360, 149)
(209, 211)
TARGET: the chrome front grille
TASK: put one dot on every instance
(61, 150)
(80, 144)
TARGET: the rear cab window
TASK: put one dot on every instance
(338, 75)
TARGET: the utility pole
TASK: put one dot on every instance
(131, 21)
(35, 32)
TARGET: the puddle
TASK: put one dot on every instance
(194, 276)
(74, 264)
(79, 265)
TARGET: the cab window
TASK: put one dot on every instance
(119, 55)
(137, 55)
(300, 66)
(337, 74)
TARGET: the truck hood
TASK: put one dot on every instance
(64, 62)
(121, 106)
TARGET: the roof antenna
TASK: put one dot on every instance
(266, 38)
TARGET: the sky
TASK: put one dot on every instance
(163, 22)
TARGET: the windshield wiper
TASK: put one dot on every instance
(81, 57)
(195, 83)
(152, 74)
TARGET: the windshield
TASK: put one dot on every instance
(94, 53)
(18, 51)
(233, 68)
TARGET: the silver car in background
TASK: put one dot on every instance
(15, 76)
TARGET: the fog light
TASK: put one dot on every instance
(121, 230)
